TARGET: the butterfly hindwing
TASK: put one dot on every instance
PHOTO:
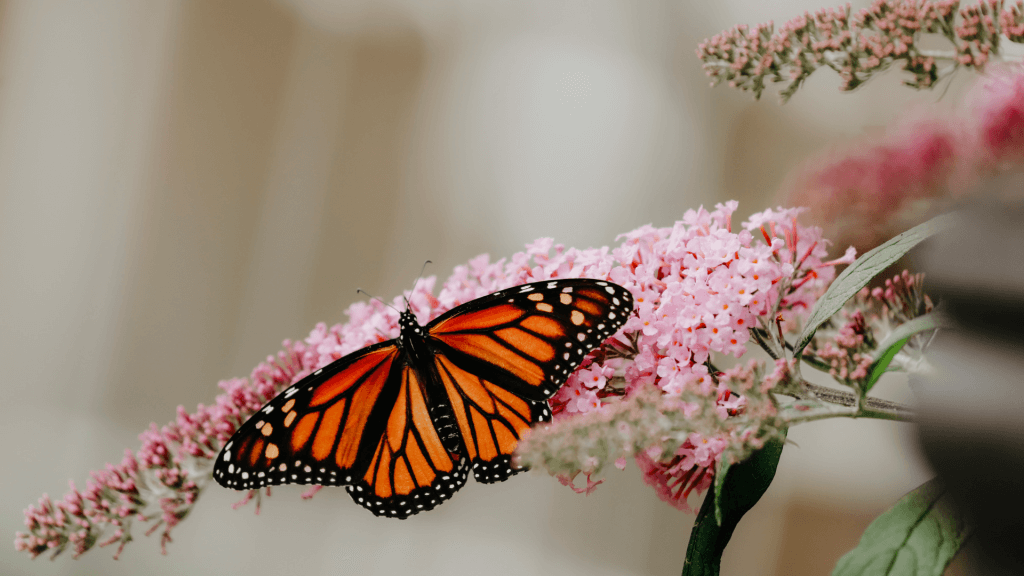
(321, 430)
(490, 419)
(411, 470)
(501, 356)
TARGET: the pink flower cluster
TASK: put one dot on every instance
(699, 287)
(678, 441)
(161, 481)
(860, 46)
(846, 346)
(873, 187)
(849, 354)
(995, 117)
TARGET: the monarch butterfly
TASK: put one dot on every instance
(401, 423)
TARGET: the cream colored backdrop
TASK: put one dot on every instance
(185, 183)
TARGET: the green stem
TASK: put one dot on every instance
(901, 416)
(872, 408)
(845, 406)
(793, 417)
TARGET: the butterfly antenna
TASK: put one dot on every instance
(420, 277)
(416, 283)
(367, 294)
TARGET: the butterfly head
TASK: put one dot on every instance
(408, 323)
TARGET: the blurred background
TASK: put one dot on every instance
(185, 183)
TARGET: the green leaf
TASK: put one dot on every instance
(917, 537)
(858, 274)
(891, 346)
(735, 491)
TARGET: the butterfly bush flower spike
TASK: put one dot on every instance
(846, 342)
(859, 45)
(700, 287)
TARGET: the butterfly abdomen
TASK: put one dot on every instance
(444, 422)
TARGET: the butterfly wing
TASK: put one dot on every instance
(411, 471)
(361, 422)
(501, 356)
(320, 430)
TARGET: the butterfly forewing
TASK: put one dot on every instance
(499, 358)
(530, 338)
(321, 430)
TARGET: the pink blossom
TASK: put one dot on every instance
(699, 287)
(874, 186)
(859, 46)
(996, 104)
(570, 482)
(847, 342)
(877, 185)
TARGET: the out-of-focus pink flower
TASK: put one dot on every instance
(673, 481)
(569, 481)
(996, 105)
(875, 186)
(872, 187)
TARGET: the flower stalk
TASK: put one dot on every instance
(652, 394)
(859, 46)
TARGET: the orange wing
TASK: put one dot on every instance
(320, 430)
(362, 422)
(490, 419)
(500, 357)
(410, 471)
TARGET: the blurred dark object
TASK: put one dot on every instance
(972, 404)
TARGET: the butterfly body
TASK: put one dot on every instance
(401, 423)
(420, 357)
